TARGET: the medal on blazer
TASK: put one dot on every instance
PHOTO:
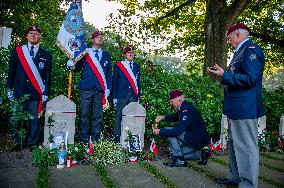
(41, 65)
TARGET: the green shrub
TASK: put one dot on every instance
(108, 152)
(274, 107)
(42, 157)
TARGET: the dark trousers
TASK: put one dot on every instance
(33, 127)
(121, 103)
(90, 105)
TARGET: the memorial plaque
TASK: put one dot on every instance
(62, 112)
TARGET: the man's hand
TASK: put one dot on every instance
(10, 95)
(70, 64)
(156, 131)
(159, 118)
(44, 98)
(216, 70)
(114, 102)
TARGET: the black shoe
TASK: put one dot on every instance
(205, 154)
(176, 163)
(226, 181)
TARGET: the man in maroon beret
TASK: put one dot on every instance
(125, 86)
(30, 73)
(94, 87)
(187, 139)
(243, 105)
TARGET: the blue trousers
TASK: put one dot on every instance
(91, 110)
(179, 148)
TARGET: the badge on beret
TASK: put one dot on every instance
(41, 65)
(252, 57)
(184, 118)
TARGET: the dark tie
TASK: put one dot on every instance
(131, 65)
(97, 55)
(32, 52)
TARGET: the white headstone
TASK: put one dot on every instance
(261, 124)
(133, 121)
(224, 131)
(63, 112)
(5, 37)
(281, 126)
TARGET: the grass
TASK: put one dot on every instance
(157, 174)
(102, 172)
(42, 177)
(269, 156)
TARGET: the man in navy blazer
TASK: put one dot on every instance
(243, 105)
(94, 87)
(20, 83)
(190, 135)
(125, 86)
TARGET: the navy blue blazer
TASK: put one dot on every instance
(243, 83)
(121, 85)
(18, 79)
(189, 121)
(88, 78)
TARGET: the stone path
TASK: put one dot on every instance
(135, 175)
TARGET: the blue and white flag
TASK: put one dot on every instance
(71, 36)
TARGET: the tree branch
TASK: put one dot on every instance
(236, 8)
(267, 38)
(173, 11)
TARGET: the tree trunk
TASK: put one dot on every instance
(216, 47)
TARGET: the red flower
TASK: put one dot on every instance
(276, 134)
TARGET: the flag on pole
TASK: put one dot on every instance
(71, 36)
(153, 147)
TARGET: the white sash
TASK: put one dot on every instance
(130, 71)
(33, 67)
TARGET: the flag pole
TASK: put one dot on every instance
(70, 84)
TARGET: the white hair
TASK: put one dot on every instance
(243, 32)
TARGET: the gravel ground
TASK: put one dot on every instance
(11, 159)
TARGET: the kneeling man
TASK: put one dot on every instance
(190, 135)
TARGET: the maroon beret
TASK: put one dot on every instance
(174, 94)
(32, 28)
(128, 49)
(95, 34)
(237, 26)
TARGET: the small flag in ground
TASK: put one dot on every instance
(90, 150)
(211, 145)
(153, 147)
(280, 144)
(218, 146)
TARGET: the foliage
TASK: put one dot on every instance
(77, 151)
(182, 27)
(42, 157)
(147, 155)
(274, 108)
(271, 141)
(102, 172)
(42, 177)
(108, 152)
(205, 94)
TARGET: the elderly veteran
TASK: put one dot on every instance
(190, 135)
(243, 105)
